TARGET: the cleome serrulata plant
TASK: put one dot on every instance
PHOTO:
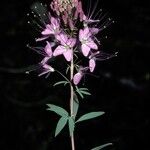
(71, 34)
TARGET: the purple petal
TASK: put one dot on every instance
(77, 77)
(85, 49)
(81, 35)
(62, 38)
(48, 49)
(71, 42)
(92, 65)
(45, 60)
(59, 50)
(91, 44)
(48, 30)
(54, 22)
(42, 38)
(68, 55)
(46, 69)
(94, 30)
(86, 31)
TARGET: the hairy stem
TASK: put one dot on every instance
(71, 101)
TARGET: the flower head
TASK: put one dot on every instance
(66, 47)
(87, 43)
(47, 53)
(51, 29)
(72, 31)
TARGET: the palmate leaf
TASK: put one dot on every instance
(71, 125)
(60, 82)
(82, 92)
(102, 146)
(58, 110)
(61, 124)
(90, 115)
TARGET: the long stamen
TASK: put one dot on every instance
(95, 6)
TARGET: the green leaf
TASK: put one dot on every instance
(71, 125)
(85, 93)
(82, 92)
(90, 115)
(75, 106)
(83, 89)
(60, 125)
(58, 110)
(67, 69)
(102, 146)
(60, 82)
(78, 91)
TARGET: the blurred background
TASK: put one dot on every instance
(122, 89)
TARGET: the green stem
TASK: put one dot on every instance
(64, 77)
(71, 101)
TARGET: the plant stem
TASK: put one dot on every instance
(71, 101)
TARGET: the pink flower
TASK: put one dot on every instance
(86, 41)
(48, 49)
(94, 30)
(92, 61)
(66, 47)
(78, 76)
(48, 53)
(100, 56)
(51, 29)
(46, 69)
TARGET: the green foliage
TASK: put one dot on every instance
(58, 110)
(60, 82)
(71, 125)
(61, 124)
(102, 146)
(75, 106)
(67, 70)
(82, 92)
(90, 115)
(64, 118)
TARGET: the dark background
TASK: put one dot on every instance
(122, 90)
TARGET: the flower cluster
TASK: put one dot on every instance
(69, 32)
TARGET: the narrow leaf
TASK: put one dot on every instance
(60, 125)
(75, 106)
(102, 146)
(83, 89)
(60, 82)
(60, 111)
(90, 115)
(85, 93)
(67, 69)
(71, 125)
(78, 91)
(80, 94)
